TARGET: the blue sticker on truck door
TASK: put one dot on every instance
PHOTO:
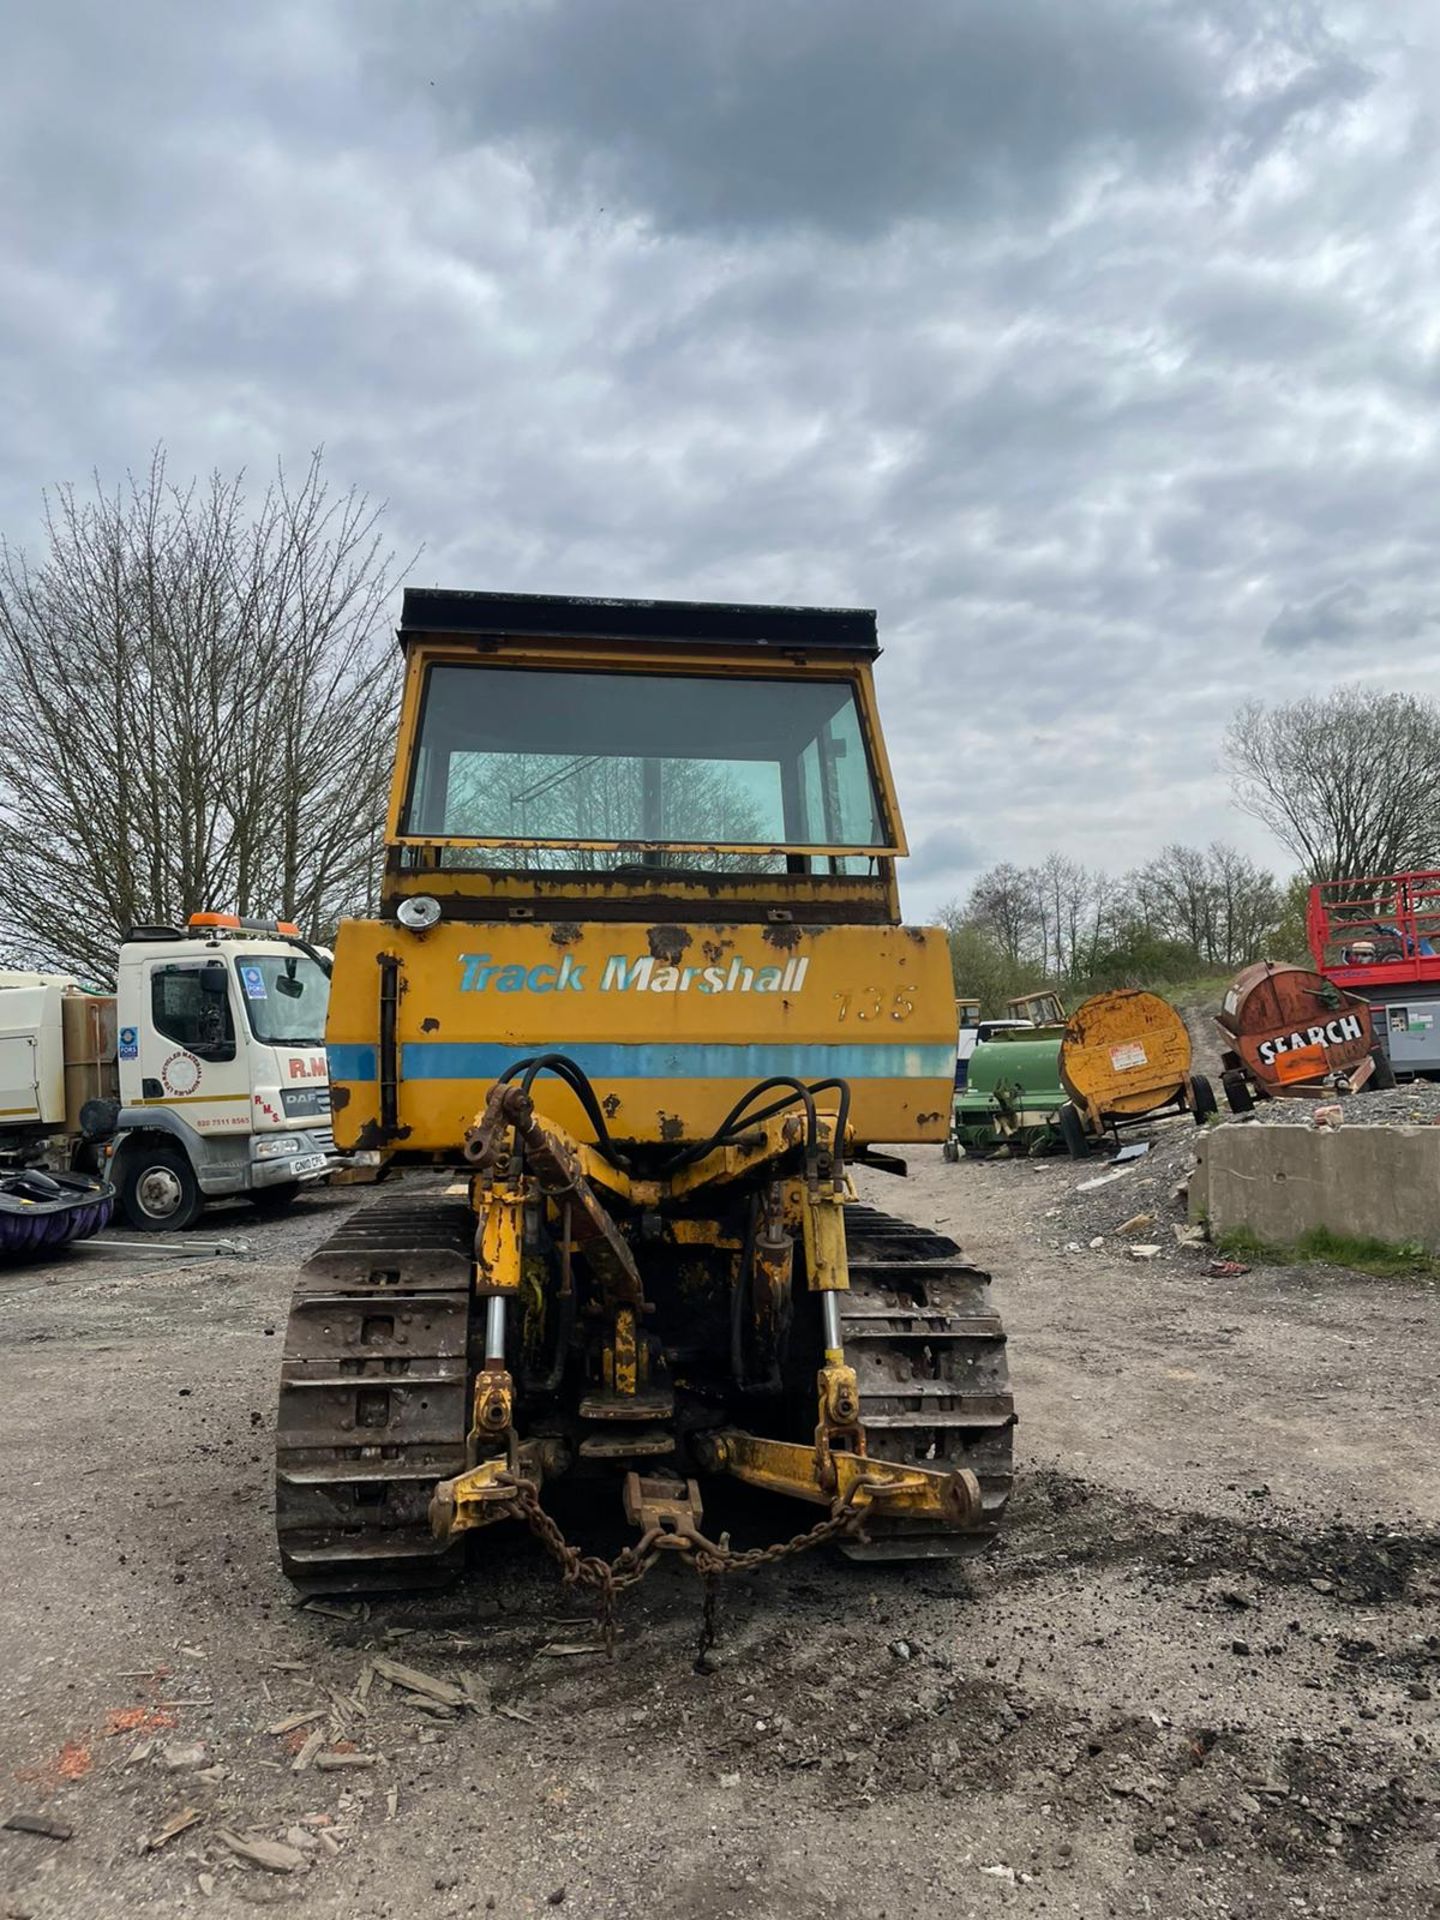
(253, 981)
(129, 1043)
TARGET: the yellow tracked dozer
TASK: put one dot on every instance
(640, 986)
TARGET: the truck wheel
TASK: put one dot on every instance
(1072, 1132)
(1238, 1096)
(274, 1199)
(1203, 1095)
(159, 1191)
(1384, 1075)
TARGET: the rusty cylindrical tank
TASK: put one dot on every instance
(1126, 1055)
(1292, 1032)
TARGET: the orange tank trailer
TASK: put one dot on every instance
(1293, 1034)
(1125, 1058)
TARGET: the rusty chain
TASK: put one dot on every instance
(711, 1561)
(606, 1578)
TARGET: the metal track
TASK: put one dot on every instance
(929, 1352)
(374, 1399)
(375, 1405)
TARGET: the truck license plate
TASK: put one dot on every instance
(309, 1163)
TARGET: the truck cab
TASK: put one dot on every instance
(223, 1085)
(202, 1076)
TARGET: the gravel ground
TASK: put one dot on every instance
(1417, 1104)
(1198, 1677)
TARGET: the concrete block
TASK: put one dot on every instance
(1380, 1183)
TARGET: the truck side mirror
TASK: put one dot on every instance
(214, 981)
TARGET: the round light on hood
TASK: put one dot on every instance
(420, 912)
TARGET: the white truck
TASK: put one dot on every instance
(203, 1076)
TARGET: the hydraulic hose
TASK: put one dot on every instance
(732, 1123)
(579, 1084)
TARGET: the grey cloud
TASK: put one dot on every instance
(845, 116)
(1077, 339)
(942, 861)
(1343, 616)
(1333, 618)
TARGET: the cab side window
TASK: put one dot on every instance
(190, 1004)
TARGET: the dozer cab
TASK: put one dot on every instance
(640, 987)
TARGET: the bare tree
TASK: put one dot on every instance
(1173, 898)
(1248, 906)
(1006, 901)
(1075, 904)
(196, 710)
(1215, 901)
(1348, 781)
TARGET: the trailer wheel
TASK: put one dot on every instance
(1203, 1095)
(158, 1189)
(1238, 1096)
(1072, 1132)
(1383, 1077)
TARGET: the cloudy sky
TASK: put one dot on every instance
(1093, 342)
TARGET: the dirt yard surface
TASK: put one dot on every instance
(1198, 1678)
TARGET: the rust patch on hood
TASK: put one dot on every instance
(669, 943)
(339, 1097)
(565, 933)
(430, 1025)
(672, 1127)
(610, 1105)
(784, 936)
(372, 1136)
(715, 950)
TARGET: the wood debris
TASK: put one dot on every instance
(413, 1680)
(294, 1720)
(563, 1649)
(333, 1762)
(272, 1855)
(314, 1741)
(177, 1823)
(331, 1612)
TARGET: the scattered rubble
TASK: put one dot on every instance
(1417, 1104)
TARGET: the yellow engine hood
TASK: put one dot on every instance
(671, 1023)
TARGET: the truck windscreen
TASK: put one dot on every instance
(551, 755)
(285, 998)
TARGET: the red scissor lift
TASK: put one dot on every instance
(1380, 937)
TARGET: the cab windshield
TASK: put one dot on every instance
(686, 761)
(285, 997)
